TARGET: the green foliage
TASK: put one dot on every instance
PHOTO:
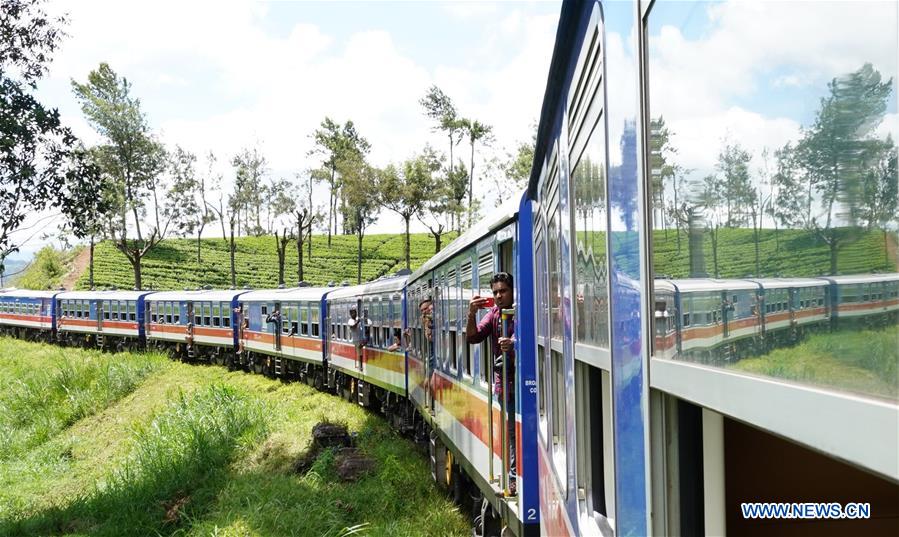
(46, 270)
(859, 361)
(173, 263)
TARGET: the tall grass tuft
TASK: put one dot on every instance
(39, 403)
(176, 460)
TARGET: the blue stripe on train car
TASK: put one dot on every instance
(525, 351)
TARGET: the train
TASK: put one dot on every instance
(620, 398)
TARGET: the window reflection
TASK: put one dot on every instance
(774, 190)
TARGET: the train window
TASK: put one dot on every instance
(593, 426)
(304, 319)
(313, 308)
(590, 223)
(198, 313)
(207, 314)
(724, 192)
(132, 311)
(226, 314)
(216, 314)
(559, 405)
(169, 313)
(485, 273)
(107, 312)
(286, 318)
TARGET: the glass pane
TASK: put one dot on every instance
(590, 225)
(774, 189)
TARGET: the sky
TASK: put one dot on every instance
(222, 76)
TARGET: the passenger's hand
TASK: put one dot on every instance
(506, 344)
(476, 303)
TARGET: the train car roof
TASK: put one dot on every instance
(783, 283)
(496, 218)
(102, 295)
(864, 278)
(569, 34)
(28, 293)
(293, 293)
(711, 284)
(213, 295)
(386, 285)
(347, 291)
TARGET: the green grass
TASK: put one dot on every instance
(41, 397)
(197, 450)
(864, 362)
(173, 264)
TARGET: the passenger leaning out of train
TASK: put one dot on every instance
(492, 326)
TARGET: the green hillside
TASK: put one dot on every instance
(787, 253)
(173, 264)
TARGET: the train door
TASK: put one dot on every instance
(362, 335)
(189, 312)
(275, 327)
(725, 307)
(102, 308)
(504, 262)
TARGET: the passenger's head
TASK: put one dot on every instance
(353, 313)
(426, 309)
(503, 290)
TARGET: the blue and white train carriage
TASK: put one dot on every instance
(194, 324)
(280, 332)
(28, 313)
(107, 319)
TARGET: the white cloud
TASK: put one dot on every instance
(212, 76)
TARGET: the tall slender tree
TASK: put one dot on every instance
(132, 159)
(405, 191)
(475, 132)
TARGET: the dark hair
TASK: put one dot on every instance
(425, 301)
(502, 277)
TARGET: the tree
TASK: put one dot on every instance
(880, 187)
(94, 193)
(736, 186)
(406, 191)
(186, 203)
(131, 158)
(334, 144)
(440, 108)
(41, 163)
(476, 132)
(518, 166)
(710, 200)
(279, 202)
(361, 199)
(437, 208)
(281, 243)
(251, 167)
(834, 154)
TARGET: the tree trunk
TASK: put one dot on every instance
(471, 187)
(886, 250)
(833, 256)
(715, 250)
(90, 273)
(309, 235)
(135, 264)
(299, 250)
(406, 244)
(282, 251)
(437, 236)
(331, 210)
(231, 249)
(359, 256)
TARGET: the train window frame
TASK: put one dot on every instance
(314, 319)
(465, 276)
(216, 314)
(226, 314)
(207, 313)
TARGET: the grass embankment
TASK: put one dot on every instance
(859, 361)
(173, 264)
(165, 448)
